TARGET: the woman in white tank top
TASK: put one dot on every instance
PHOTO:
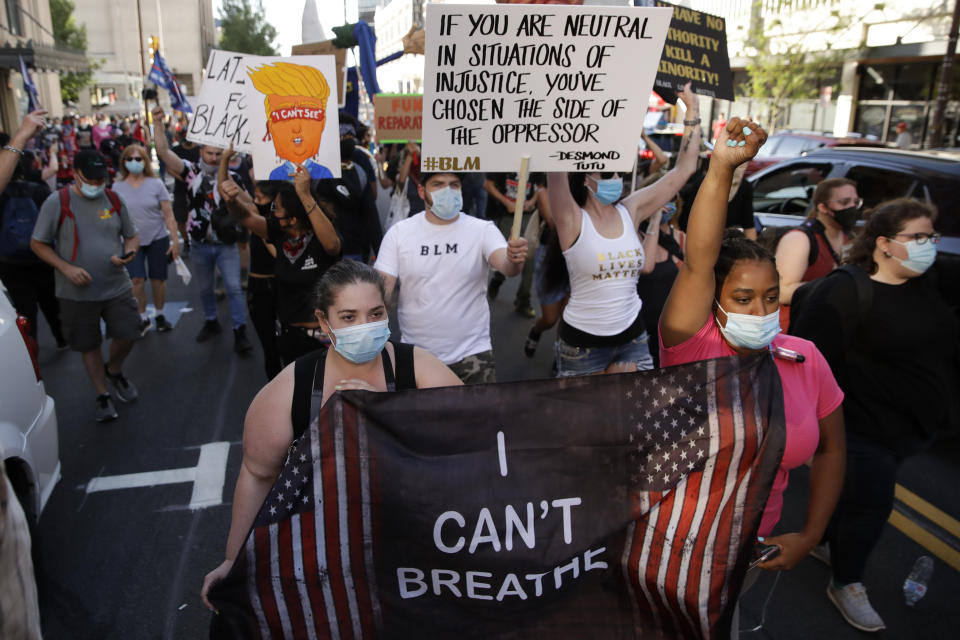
(602, 330)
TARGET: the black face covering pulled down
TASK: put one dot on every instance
(846, 218)
(265, 210)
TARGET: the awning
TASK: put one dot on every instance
(43, 57)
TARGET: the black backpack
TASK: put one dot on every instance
(808, 289)
(770, 237)
(17, 221)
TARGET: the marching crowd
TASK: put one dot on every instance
(652, 278)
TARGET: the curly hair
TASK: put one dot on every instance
(886, 220)
(735, 247)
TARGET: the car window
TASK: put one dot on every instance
(876, 185)
(769, 147)
(793, 146)
(789, 189)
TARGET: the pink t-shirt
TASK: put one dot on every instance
(810, 393)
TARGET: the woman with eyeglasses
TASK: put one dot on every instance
(602, 329)
(893, 344)
(148, 201)
(816, 247)
(306, 244)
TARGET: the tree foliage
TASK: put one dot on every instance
(67, 33)
(245, 28)
(784, 69)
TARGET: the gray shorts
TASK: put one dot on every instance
(81, 321)
(476, 369)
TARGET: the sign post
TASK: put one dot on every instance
(521, 197)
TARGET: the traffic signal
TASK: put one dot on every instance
(153, 43)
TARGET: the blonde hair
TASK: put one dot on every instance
(286, 79)
(147, 165)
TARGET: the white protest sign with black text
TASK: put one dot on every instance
(566, 85)
(292, 107)
(220, 114)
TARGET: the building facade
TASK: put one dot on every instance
(26, 31)
(186, 33)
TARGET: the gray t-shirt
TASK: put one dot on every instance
(144, 204)
(99, 235)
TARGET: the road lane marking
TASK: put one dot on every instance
(927, 510)
(208, 477)
(925, 539)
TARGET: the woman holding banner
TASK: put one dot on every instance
(725, 302)
(349, 305)
(602, 329)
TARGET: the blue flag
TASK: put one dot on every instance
(33, 99)
(161, 76)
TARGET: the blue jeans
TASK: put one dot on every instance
(207, 257)
(582, 361)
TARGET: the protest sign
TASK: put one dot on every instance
(566, 85)
(397, 117)
(613, 507)
(695, 51)
(220, 114)
(298, 123)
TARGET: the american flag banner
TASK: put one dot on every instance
(619, 506)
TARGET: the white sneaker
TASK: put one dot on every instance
(853, 604)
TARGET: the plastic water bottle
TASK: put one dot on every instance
(915, 586)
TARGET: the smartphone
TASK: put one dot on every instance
(127, 255)
(766, 553)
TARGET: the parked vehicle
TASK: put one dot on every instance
(785, 145)
(782, 193)
(28, 417)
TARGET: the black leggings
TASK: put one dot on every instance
(262, 303)
(863, 509)
(30, 286)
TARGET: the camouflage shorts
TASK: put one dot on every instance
(476, 369)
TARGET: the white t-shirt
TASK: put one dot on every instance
(442, 271)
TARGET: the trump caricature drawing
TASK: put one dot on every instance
(296, 103)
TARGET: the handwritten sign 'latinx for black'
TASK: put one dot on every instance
(695, 50)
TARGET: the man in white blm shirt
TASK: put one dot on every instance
(441, 257)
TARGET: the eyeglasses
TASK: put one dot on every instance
(921, 238)
(849, 202)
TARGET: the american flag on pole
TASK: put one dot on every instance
(161, 76)
(33, 98)
(621, 506)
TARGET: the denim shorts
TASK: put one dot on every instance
(582, 361)
(155, 257)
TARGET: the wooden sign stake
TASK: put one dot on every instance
(521, 197)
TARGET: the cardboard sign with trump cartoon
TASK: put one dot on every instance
(298, 127)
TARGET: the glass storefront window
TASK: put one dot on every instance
(913, 116)
(870, 120)
(875, 82)
(914, 81)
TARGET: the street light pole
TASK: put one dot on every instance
(143, 77)
(943, 87)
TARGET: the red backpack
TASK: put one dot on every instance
(65, 213)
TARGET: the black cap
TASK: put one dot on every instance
(91, 164)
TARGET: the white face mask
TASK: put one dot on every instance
(749, 331)
(447, 203)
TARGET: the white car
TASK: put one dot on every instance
(28, 418)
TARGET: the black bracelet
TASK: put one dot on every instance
(691, 123)
(312, 208)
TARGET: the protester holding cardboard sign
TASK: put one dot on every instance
(602, 330)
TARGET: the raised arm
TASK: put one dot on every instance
(172, 160)
(9, 159)
(690, 301)
(659, 157)
(650, 243)
(238, 202)
(322, 227)
(564, 209)
(53, 163)
(644, 202)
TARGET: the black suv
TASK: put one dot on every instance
(783, 191)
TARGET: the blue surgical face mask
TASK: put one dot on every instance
(608, 190)
(134, 166)
(361, 342)
(447, 203)
(91, 191)
(749, 331)
(920, 257)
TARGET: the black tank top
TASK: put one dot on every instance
(308, 382)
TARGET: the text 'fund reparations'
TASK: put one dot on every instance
(567, 85)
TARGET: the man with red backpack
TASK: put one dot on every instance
(85, 232)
